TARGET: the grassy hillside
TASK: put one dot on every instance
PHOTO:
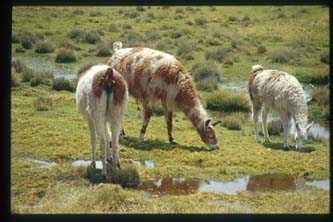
(231, 39)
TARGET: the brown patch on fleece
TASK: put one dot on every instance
(186, 96)
(109, 81)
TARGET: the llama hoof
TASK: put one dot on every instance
(173, 142)
(103, 178)
(109, 160)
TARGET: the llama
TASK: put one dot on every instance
(101, 98)
(283, 93)
(153, 75)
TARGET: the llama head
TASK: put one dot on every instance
(256, 68)
(117, 45)
(208, 136)
(301, 134)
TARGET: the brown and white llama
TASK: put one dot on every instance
(153, 75)
(101, 98)
(278, 90)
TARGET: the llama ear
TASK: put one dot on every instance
(217, 122)
(309, 126)
(207, 122)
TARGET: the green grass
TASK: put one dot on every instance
(59, 134)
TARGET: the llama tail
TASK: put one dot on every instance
(108, 84)
(117, 45)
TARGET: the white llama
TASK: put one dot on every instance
(283, 93)
(101, 97)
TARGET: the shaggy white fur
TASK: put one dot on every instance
(102, 111)
(278, 90)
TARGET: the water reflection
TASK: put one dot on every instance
(263, 182)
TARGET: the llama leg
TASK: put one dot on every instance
(115, 131)
(285, 119)
(255, 115)
(92, 141)
(108, 142)
(168, 120)
(103, 142)
(147, 114)
(264, 124)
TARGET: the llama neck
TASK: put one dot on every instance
(300, 110)
(197, 115)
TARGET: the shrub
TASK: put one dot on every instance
(325, 58)
(15, 38)
(232, 19)
(133, 38)
(63, 84)
(28, 40)
(92, 37)
(44, 78)
(18, 65)
(185, 47)
(44, 47)
(176, 34)
(306, 76)
(95, 13)
(234, 121)
(132, 14)
(65, 55)
(114, 27)
(19, 49)
(43, 103)
(261, 49)
(217, 55)
(228, 101)
(78, 12)
(274, 127)
(283, 56)
(103, 50)
(15, 79)
(27, 75)
(200, 21)
(152, 35)
(206, 75)
(321, 96)
(76, 34)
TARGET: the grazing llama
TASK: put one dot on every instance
(282, 92)
(153, 75)
(101, 97)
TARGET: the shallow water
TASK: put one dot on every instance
(263, 182)
(41, 163)
(42, 64)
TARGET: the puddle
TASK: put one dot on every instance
(42, 64)
(41, 163)
(149, 164)
(321, 184)
(86, 163)
(263, 182)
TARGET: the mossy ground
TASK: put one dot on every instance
(60, 134)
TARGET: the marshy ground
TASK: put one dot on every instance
(50, 146)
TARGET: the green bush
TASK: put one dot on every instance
(44, 47)
(15, 38)
(234, 121)
(261, 49)
(217, 54)
(319, 78)
(206, 76)
(65, 55)
(92, 37)
(27, 74)
(15, 79)
(43, 103)
(200, 21)
(39, 78)
(63, 84)
(283, 56)
(28, 40)
(274, 127)
(113, 27)
(76, 34)
(325, 58)
(228, 101)
(322, 96)
(103, 50)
